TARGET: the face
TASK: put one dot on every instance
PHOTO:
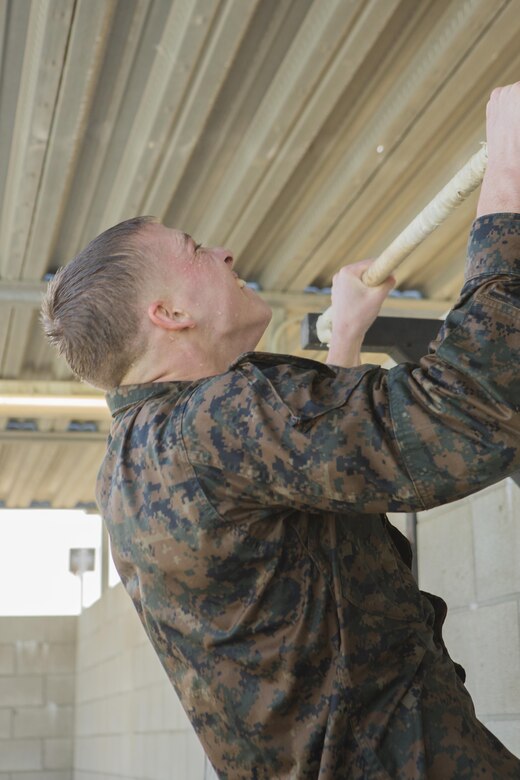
(202, 282)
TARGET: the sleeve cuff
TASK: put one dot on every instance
(494, 246)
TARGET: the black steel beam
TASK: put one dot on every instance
(403, 338)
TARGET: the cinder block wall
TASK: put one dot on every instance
(469, 553)
(37, 664)
(129, 723)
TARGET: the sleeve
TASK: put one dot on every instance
(300, 434)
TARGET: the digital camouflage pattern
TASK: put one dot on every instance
(246, 518)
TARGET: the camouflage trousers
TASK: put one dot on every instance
(434, 734)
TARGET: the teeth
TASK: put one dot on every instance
(241, 283)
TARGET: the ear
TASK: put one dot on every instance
(164, 316)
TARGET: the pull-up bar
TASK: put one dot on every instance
(457, 190)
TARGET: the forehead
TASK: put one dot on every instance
(169, 239)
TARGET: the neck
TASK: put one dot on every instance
(178, 361)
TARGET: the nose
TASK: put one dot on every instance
(226, 255)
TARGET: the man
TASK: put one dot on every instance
(244, 493)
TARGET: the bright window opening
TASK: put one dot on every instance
(34, 561)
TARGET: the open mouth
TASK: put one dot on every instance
(241, 283)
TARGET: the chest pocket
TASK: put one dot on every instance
(366, 568)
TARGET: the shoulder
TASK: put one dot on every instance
(261, 387)
(257, 378)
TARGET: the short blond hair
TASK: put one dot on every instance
(90, 310)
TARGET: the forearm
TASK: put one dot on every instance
(346, 353)
(500, 191)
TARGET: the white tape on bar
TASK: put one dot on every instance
(455, 192)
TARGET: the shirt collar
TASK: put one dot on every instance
(125, 396)
(122, 398)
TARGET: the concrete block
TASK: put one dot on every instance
(92, 683)
(41, 657)
(114, 755)
(109, 639)
(138, 756)
(18, 754)
(60, 689)
(82, 719)
(120, 675)
(91, 718)
(61, 629)
(149, 709)
(508, 732)
(110, 755)
(120, 713)
(87, 754)
(118, 601)
(183, 754)
(173, 715)
(486, 641)
(47, 721)
(89, 684)
(31, 656)
(114, 715)
(103, 756)
(18, 691)
(126, 751)
(58, 753)
(6, 717)
(62, 659)
(90, 620)
(496, 527)
(90, 650)
(195, 758)
(7, 659)
(445, 553)
(13, 628)
(147, 669)
(150, 755)
(48, 628)
(132, 630)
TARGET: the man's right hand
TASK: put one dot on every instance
(501, 185)
(354, 308)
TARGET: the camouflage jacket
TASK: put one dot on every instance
(245, 515)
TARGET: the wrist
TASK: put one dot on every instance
(500, 191)
(346, 354)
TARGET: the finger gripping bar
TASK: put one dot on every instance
(457, 190)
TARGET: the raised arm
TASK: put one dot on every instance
(367, 440)
(500, 190)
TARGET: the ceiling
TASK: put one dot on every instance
(302, 134)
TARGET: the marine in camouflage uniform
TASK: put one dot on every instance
(246, 515)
